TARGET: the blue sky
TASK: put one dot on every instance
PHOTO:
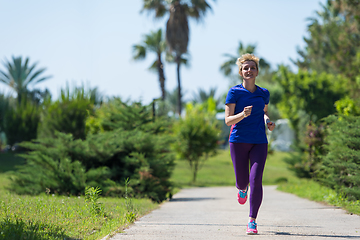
(90, 41)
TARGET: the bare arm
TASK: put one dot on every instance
(270, 125)
(230, 118)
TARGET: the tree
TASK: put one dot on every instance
(308, 93)
(177, 27)
(155, 43)
(197, 135)
(227, 67)
(202, 97)
(340, 166)
(20, 75)
(333, 42)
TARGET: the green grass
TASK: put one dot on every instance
(218, 171)
(59, 217)
(307, 188)
(67, 217)
(276, 170)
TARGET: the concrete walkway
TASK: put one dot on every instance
(213, 213)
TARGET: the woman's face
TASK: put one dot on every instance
(249, 70)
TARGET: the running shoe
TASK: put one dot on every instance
(242, 195)
(251, 228)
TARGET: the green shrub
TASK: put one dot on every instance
(138, 150)
(306, 164)
(347, 106)
(308, 95)
(197, 135)
(142, 151)
(21, 122)
(340, 167)
(68, 114)
(50, 165)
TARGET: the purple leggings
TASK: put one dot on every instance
(240, 155)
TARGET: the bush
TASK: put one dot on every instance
(21, 122)
(306, 164)
(197, 135)
(308, 94)
(340, 168)
(51, 165)
(347, 106)
(137, 149)
(68, 114)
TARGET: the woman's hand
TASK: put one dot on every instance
(247, 111)
(270, 125)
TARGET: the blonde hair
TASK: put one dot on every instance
(247, 57)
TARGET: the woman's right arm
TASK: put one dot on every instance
(230, 118)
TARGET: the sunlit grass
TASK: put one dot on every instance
(218, 171)
(307, 188)
(276, 170)
(59, 217)
(70, 215)
(50, 216)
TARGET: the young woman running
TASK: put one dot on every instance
(246, 112)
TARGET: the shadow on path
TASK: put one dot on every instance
(315, 235)
(190, 199)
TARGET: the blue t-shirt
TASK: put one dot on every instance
(252, 128)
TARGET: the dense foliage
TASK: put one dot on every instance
(197, 134)
(328, 82)
(308, 96)
(333, 42)
(340, 168)
(129, 145)
(68, 114)
(21, 122)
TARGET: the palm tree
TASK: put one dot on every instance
(202, 97)
(229, 64)
(171, 101)
(20, 75)
(177, 27)
(155, 43)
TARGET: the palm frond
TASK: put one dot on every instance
(139, 52)
(19, 75)
(159, 6)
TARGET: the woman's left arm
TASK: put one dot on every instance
(270, 124)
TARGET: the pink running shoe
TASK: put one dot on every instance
(251, 228)
(242, 195)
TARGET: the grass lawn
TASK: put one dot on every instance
(218, 171)
(307, 188)
(61, 217)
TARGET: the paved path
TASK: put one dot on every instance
(213, 213)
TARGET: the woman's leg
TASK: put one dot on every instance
(257, 156)
(240, 158)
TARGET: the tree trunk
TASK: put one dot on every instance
(178, 62)
(160, 68)
(195, 170)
